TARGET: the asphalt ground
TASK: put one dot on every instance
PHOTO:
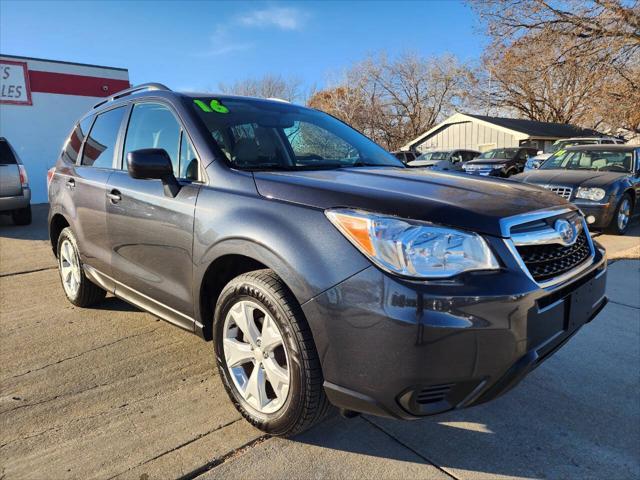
(113, 392)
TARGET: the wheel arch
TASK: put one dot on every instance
(57, 223)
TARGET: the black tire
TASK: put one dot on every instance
(22, 216)
(306, 402)
(88, 293)
(613, 227)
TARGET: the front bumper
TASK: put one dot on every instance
(602, 212)
(403, 349)
(16, 202)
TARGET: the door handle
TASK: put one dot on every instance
(71, 183)
(114, 196)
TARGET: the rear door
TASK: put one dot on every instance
(10, 184)
(88, 187)
(151, 234)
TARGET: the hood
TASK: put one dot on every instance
(570, 178)
(462, 201)
(487, 161)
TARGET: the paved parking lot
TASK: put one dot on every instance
(112, 392)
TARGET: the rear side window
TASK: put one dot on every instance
(6, 154)
(71, 148)
(100, 145)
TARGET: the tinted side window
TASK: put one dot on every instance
(71, 148)
(100, 144)
(152, 125)
(6, 155)
(188, 160)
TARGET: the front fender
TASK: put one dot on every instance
(297, 242)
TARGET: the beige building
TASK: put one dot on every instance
(479, 132)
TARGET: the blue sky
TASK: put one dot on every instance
(197, 45)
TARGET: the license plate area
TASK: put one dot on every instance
(562, 312)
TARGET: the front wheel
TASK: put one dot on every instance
(622, 216)
(266, 356)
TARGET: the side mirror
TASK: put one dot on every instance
(153, 164)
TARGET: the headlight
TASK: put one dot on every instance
(590, 193)
(413, 249)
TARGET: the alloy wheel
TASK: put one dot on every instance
(624, 213)
(256, 357)
(69, 268)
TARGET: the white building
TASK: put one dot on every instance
(482, 133)
(39, 102)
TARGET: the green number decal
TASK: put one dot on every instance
(216, 106)
(203, 106)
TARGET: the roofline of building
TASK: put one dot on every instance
(457, 118)
(17, 57)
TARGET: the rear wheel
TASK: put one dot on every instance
(77, 287)
(22, 216)
(266, 356)
(622, 216)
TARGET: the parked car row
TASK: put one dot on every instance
(600, 175)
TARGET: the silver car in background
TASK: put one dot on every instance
(15, 194)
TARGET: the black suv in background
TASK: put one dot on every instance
(323, 270)
(500, 162)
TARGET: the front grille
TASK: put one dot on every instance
(564, 192)
(551, 260)
(479, 169)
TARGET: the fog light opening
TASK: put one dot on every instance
(591, 219)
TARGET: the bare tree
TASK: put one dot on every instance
(394, 101)
(563, 60)
(268, 86)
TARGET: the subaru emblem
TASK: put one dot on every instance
(566, 230)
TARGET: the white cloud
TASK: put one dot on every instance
(280, 17)
(222, 40)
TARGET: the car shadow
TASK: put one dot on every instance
(36, 231)
(114, 304)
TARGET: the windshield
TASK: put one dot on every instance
(499, 153)
(265, 135)
(560, 144)
(598, 160)
(433, 156)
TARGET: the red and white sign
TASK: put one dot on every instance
(14, 83)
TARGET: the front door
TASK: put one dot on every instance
(150, 233)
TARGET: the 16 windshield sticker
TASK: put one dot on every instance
(213, 106)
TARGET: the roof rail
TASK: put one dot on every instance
(129, 91)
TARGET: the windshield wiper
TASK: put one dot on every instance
(360, 163)
(267, 166)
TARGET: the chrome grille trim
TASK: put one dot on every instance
(563, 191)
(507, 223)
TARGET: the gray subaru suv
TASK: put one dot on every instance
(323, 271)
